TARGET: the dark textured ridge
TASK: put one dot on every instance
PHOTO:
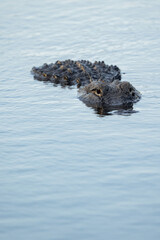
(78, 73)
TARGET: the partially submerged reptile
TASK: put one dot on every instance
(99, 84)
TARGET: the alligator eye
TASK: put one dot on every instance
(97, 92)
(130, 89)
(44, 74)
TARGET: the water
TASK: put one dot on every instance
(67, 172)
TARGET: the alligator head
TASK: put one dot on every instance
(103, 94)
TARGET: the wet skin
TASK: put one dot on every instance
(99, 84)
(116, 93)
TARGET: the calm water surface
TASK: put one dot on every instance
(67, 172)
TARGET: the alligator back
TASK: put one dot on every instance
(78, 73)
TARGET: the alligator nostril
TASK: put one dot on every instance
(133, 94)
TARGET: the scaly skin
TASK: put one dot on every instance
(98, 94)
(99, 84)
(77, 73)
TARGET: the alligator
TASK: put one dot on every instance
(100, 85)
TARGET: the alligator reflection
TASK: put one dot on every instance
(104, 111)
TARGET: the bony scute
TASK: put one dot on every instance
(99, 84)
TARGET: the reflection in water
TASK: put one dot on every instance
(108, 111)
(125, 110)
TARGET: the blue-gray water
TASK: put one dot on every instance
(67, 173)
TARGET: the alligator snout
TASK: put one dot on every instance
(115, 93)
